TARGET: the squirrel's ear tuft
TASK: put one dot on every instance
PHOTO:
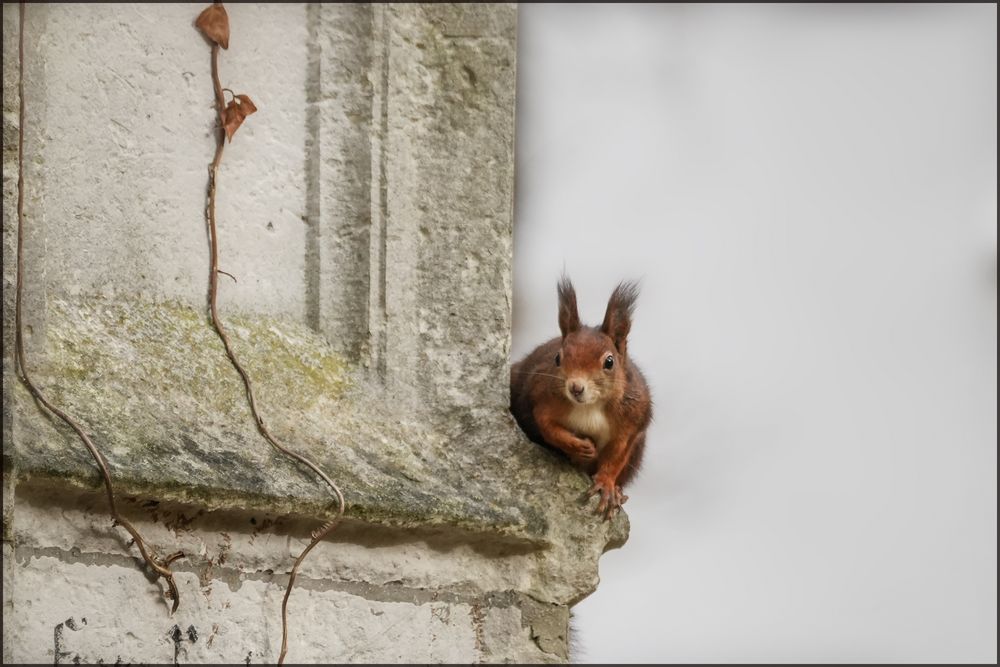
(569, 318)
(618, 317)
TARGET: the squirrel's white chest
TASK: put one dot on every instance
(590, 420)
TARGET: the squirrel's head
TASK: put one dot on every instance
(592, 359)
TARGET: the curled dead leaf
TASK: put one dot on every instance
(214, 23)
(235, 113)
(246, 103)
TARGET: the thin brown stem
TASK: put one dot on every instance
(213, 288)
(317, 537)
(21, 366)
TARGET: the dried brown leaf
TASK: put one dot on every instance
(235, 113)
(214, 22)
(247, 104)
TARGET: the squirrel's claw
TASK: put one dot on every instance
(611, 498)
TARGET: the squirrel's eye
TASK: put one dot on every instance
(558, 359)
(609, 362)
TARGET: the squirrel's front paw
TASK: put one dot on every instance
(611, 497)
(585, 454)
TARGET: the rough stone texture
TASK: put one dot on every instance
(341, 172)
(366, 212)
(448, 128)
(382, 597)
(11, 100)
(155, 389)
(120, 124)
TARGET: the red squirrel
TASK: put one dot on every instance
(581, 394)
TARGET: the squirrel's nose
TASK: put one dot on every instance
(576, 389)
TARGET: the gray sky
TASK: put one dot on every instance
(808, 194)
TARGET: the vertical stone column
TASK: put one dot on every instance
(445, 134)
(341, 85)
(413, 167)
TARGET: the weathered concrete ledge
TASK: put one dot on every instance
(156, 392)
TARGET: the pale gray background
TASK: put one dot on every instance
(808, 194)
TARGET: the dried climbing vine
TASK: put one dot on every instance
(214, 24)
(160, 567)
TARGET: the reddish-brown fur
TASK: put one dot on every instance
(576, 403)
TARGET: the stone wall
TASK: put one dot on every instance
(366, 212)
